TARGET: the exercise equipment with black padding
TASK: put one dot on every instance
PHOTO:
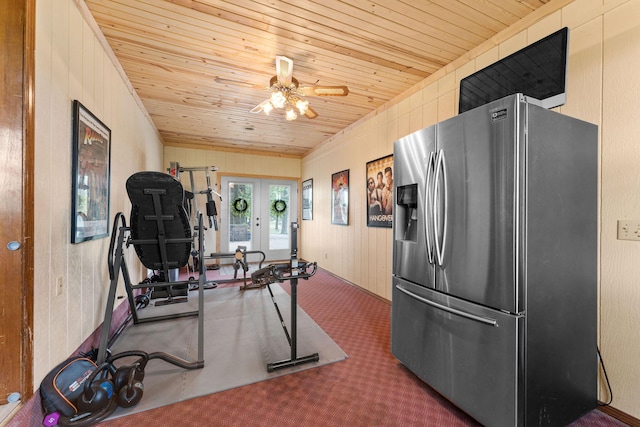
(163, 240)
(160, 228)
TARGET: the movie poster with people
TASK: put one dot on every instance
(340, 198)
(380, 192)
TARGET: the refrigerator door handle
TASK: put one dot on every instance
(441, 166)
(428, 206)
(485, 320)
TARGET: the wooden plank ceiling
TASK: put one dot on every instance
(199, 66)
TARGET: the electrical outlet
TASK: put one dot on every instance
(59, 286)
(628, 229)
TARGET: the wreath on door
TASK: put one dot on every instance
(278, 207)
(239, 206)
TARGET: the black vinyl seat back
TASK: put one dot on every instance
(160, 228)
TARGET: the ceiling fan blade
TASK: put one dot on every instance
(310, 113)
(324, 91)
(260, 107)
(284, 70)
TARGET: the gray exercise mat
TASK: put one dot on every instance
(242, 334)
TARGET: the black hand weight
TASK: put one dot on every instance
(127, 375)
(128, 384)
(127, 380)
(130, 394)
(97, 392)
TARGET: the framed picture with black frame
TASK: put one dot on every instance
(340, 198)
(379, 192)
(307, 199)
(91, 176)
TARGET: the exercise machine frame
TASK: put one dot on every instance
(296, 270)
(120, 240)
(240, 262)
(212, 213)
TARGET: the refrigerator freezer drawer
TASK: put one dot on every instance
(468, 353)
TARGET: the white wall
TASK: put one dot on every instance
(72, 64)
(603, 88)
(620, 195)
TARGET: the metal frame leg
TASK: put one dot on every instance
(293, 339)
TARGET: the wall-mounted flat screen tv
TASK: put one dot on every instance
(539, 71)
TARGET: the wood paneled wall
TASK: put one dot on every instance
(72, 64)
(603, 88)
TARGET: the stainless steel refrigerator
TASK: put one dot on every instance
(495, 262)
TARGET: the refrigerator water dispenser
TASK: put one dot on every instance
(407, 214)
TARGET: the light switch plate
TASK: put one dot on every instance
(628, 229)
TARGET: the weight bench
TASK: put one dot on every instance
(161, 235)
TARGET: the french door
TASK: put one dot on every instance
(257, 214)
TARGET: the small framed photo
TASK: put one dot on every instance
(340, 198)
(91, 176)
(379, 192)
(307, 199)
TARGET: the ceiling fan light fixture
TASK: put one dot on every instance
(278, 100)
(286, 92)
(302, 105)
(291, 114)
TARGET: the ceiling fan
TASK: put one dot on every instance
(287, 94)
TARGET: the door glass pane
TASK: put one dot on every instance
(279, 218)
(240, 214)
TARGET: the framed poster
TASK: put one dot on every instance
(307, 199)
(340, 198)
(91, 175)
(380, 192)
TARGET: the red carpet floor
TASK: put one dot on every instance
(371, 388)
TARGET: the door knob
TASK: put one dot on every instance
(13, 245)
